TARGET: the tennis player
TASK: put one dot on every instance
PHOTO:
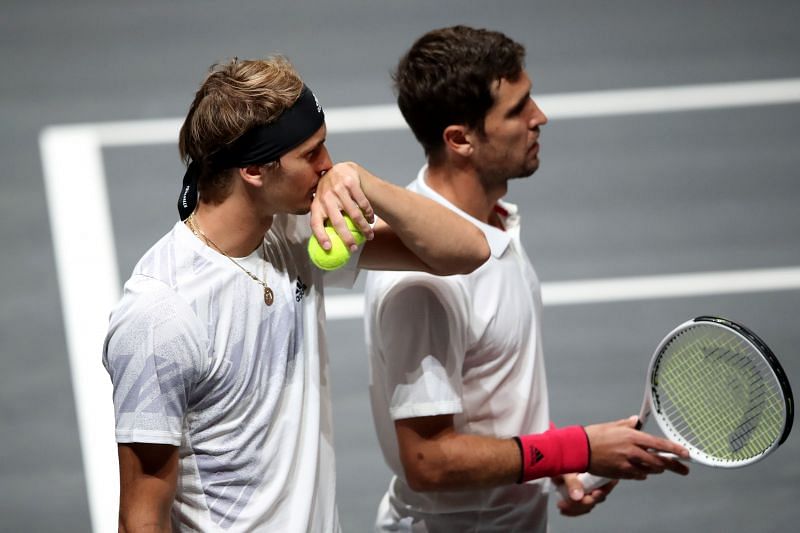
(217, 348)
(458, 386)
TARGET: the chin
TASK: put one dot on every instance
(526, 171)
(533, 167)
(303, 208)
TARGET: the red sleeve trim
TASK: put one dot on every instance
(554, 452)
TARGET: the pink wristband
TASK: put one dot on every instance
(554, 452)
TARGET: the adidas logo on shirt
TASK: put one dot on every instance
(300, 290)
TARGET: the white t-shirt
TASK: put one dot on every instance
(470, 346)
(199, 361)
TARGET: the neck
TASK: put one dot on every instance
(235, 225)
(463, 187)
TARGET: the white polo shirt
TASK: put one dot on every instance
(470, 346)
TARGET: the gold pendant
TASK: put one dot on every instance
(268, 296)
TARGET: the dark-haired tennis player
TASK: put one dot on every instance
(216, 349)
(458, 385)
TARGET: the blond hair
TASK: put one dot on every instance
(235, 97)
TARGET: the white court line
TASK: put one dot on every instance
(86, 262)
(556, 293)
(556, 106)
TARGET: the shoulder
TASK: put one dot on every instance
(287, 247)
(385, 289)
(381, 282)
(171, 254)
(292, 228)
(143, 292)
(290, 234)
(152, 322)
(151, 305)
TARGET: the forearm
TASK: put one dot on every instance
(444, 242)
(436, 457)
(462, 462)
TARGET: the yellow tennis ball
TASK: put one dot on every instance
(338, 255)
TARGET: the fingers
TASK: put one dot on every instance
(574, 486)
(605, 489)
(571, 507)
(620, 451)
(318, 217)
(649, 462)
(661, 454)
(580, 501)
(629, 422)
(673, 465)
(643, 463)
(662, 445)
(336, 219)
(355, 202)
(339, 193)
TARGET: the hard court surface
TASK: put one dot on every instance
(620, 196)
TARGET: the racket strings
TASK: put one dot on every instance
(739, 356)
(743, 427)
(724, 397)
(718, 394)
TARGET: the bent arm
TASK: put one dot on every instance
(148, 479)
(421, 332)
(435, 457)
(434, 238)
(413, 233)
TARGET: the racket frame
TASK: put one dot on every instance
(651, 404)
(590, 481)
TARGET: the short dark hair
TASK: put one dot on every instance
(446, 78)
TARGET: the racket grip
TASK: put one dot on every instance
(667, 455)
(590, 482)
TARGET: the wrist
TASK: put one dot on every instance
(552, 453)
(365, 180)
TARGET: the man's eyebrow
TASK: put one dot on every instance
(519, 105)
(316, 146)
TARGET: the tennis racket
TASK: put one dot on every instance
(715, 388)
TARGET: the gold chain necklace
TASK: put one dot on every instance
(269, 296)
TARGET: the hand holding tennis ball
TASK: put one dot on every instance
(338, 255)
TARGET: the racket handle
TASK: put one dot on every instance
(590, 482)
(667, 455)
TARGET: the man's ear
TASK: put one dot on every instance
(457, 139)
(253, 174)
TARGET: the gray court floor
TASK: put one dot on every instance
(657, 193)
